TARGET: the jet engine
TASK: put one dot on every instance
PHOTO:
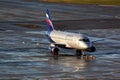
(55, 50)
(91, 49)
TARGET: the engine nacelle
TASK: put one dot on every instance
(92, 49)
(54, 50)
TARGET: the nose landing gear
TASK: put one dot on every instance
(79, 53)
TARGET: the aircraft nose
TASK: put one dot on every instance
(86, 45)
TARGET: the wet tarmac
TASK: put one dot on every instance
(23, 58)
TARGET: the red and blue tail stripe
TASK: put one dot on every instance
(49, 26)
(49, 22)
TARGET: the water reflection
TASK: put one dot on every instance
(73, 63)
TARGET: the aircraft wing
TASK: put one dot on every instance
(37, 32)
(48, 43)
(57, 44)
(94, 39)
(23, 48)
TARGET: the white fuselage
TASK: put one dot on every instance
(71, 40)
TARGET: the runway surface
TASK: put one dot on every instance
(23, 58)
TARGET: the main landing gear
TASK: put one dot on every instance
(55, 52)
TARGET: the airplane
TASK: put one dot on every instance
(67, 40)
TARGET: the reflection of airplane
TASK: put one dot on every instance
(74, 65)
(60, 39)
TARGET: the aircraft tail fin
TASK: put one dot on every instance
(49, 22)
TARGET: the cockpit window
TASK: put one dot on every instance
(85, 40)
